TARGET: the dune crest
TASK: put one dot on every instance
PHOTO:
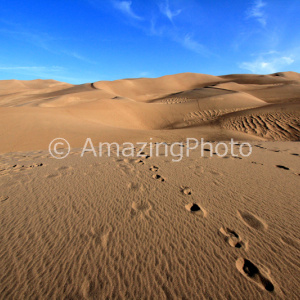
(169, 108)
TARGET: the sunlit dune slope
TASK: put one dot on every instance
(170, 107)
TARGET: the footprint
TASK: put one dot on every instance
(3, 198)
(135, 187)
(141, 209)
(53, 175)
(217, 182)
(62, 168)
(252, 221)
(158, 177)
(34, 165)
(232, 238)
(259, 146)
(291, 242)
(140, 206)
(139, 161)
(125, 169)
(251, 272)
(199, 170)
(144, 155)
(282, 167)
(23, 167)
(100, 236)
(214, 172)
(154, 169)
(128, 161)
(185, 190)
(195, 208)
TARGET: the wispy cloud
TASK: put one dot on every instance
(178, 35)
(153, 25)
(186, 40)
(165, 10)
(79, 57)
(125, 7)
(191, 44)
(256, 11)
(270, 62)
(38, 39)
(153, 28)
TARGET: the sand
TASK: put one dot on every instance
(207, 227)
(169, 108)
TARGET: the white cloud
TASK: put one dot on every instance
(266, 65)
(165, 9)
(154, 29)
(152, 26)
(257, 12)
(125, 7)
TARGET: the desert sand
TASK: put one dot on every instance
(169, 108)
(207, 227)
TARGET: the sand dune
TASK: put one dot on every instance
(167, 108)
(273, 122)
(146, 227)
(148, 88)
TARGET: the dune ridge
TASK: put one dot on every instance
(167, 108)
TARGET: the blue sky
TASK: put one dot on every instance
(80, 41)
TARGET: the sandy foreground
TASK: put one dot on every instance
(115, 227)
(149, 228)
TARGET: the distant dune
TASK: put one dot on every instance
(245, 107)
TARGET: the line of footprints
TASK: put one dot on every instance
(247, 268)
(244, 266)
(277, 151)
